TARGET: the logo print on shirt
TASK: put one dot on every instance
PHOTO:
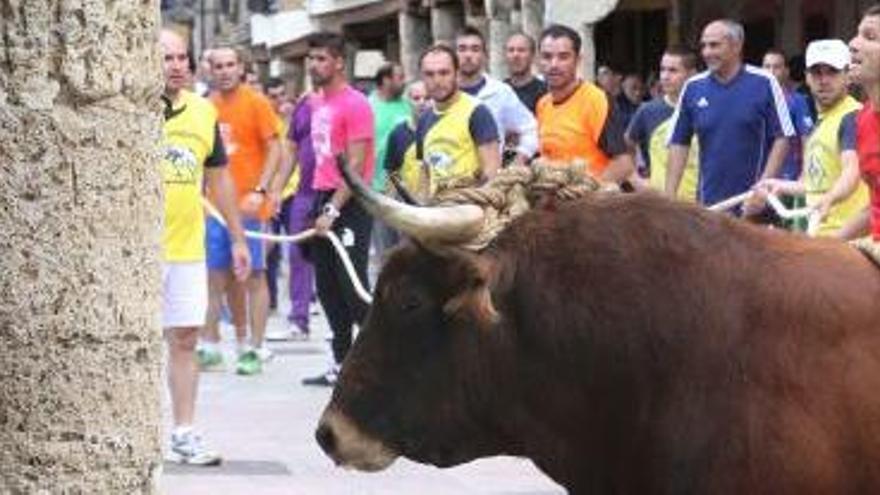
(226, 136)
(815, 172)
(440, 161)
(321, 128)
(179, 165)
(703, 102)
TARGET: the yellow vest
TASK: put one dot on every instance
(823, 166)
(188, 140)
(448, 148)
(659, 153)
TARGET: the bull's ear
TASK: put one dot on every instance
(471, 298)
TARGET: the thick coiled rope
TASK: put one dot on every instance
(514, 191)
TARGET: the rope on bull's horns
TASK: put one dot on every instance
(515, 190)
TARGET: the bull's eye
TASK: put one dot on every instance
(410, 303)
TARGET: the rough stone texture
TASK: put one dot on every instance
(446, 20)
(80, 213)
(415, 36)
(583, 17)
(532, 17)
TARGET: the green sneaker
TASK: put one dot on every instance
(249, 363)
(210, 360)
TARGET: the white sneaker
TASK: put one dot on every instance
(188, 449)
(264, 354)
(278, 336)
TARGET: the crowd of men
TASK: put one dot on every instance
(269, 162)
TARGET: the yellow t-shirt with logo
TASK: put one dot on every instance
(834, 133)
(448, 141)
(190, 143)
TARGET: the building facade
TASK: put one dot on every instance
(630, 35)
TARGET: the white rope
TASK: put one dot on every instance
(813, 218)
(299, 237)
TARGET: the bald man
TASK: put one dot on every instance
(734, 109)
(191, 150)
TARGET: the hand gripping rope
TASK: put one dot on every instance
(811, 213)
(300, 237)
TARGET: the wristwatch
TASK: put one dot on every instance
(330, 211)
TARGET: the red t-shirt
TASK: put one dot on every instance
(868, 147)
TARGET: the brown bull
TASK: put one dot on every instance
(625, 344)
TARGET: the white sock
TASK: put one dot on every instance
(181, 430)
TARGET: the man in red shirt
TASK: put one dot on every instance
(865, 70)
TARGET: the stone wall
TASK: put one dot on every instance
(80, 215)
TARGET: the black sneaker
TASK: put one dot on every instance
(326, 379)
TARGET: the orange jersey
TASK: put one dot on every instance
(246, 121)
(572, 129)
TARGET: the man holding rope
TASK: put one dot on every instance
(342, 124)
(250, 131)
(830, 175)
(731, 108)
(191, 148)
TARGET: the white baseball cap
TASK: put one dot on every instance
(829, 52)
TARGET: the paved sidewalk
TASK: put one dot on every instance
(263, 425)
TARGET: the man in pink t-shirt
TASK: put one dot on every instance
(342, 124)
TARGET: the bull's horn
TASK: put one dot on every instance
(428, 224)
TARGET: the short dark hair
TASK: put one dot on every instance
(239, 56)
(273, 82)
(562, 31)
(872, 11)
(386, 71)
(688, 57)
(440, 48)
(531, 41)
(779, 52)
(332, 42)
(471, 31)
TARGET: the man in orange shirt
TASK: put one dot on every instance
(577, 120)
(250, 132)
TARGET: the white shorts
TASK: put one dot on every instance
(184, 294)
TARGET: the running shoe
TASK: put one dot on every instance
(210, 360)
(188, 449)
(249, 363)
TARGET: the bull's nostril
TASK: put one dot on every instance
(326, 439)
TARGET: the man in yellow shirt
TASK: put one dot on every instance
(457, 139)
(191, 149)
(830, 176)
(648, 131)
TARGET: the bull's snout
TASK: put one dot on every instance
(326, 439)
(342, 440)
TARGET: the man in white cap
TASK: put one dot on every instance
(830, 176)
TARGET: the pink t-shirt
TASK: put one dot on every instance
(338, 119)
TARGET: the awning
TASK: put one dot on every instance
(281, 28)
(322, 7)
